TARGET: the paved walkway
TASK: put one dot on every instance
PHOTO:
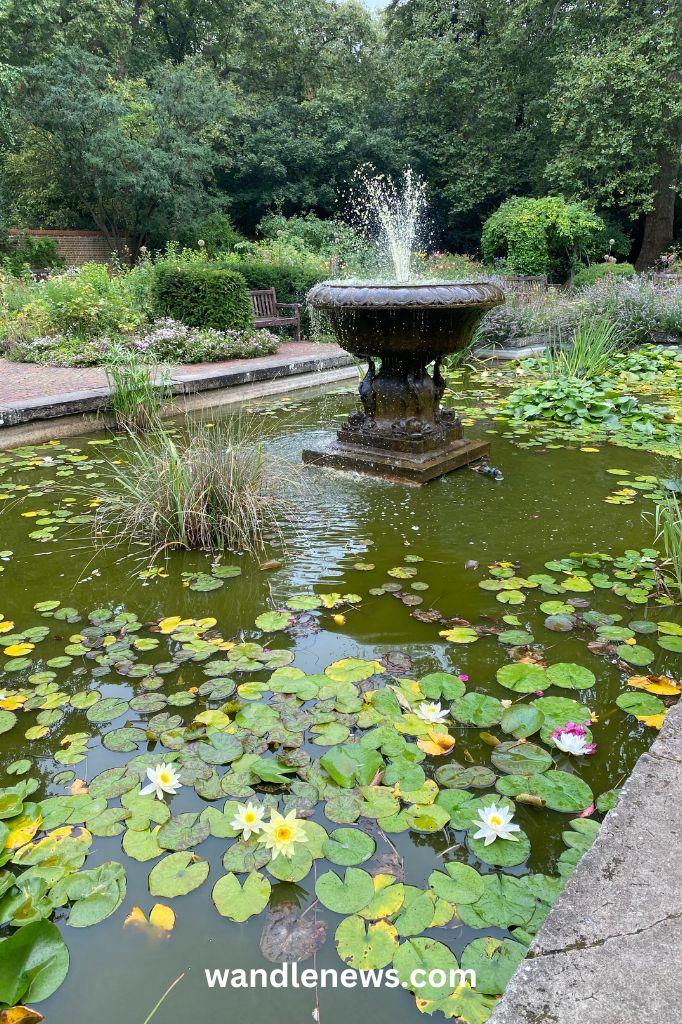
(29, 392)
(610, 950)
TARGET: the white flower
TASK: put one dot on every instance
(248, 820)
(162, 779)
(432, 713)
(573, 743)
(496, 823)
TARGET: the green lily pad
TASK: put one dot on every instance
(177, 875)
(364, 946)
(347, 895)
(240, 902)
(348, 847)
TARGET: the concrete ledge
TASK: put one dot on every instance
(610, 950)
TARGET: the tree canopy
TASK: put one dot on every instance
(141, 116)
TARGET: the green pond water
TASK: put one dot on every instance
(550, 503)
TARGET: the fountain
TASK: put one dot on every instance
(405, 324)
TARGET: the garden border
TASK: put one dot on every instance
(610, 949)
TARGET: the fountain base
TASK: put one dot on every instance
(399, 466)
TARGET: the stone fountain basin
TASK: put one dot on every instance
(433, 319)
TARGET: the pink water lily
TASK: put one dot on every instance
(572, 739)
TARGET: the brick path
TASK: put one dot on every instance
(30, 393)
(20, 382)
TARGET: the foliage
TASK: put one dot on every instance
(202, 296)
(135, 157)
(212, 488)
(167, 341)
(540, 236)
(17, 252)
(327, 239)
(83, 302)
(588, 352)
(214, 233)
(669, 533)
(138, 390)
(586, 276)
(574, 401)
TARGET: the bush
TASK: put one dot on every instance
(202, 296)
(541, 236)
(586, 276)
(17, 252)
(216, 231)
(85, 302)
(328, 239)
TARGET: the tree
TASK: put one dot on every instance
(137, 158)
(616, 111)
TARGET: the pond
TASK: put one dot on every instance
(538, 573)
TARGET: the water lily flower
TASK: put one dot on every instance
(463, 678)
(248, 820)
(281, 833)
(496, 823)
(162, 779)
(572, 739)
(432, 713)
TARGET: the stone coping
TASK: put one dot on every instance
(610, 949)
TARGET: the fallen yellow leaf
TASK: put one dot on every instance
(438, 743)
(20, 1015)
(661, 685)
(162, 917)
(655, 721)
(18, 650)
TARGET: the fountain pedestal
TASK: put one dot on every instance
(402, 433)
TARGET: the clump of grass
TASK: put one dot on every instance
(139, 391)
(669, 533)
(213, 487)
(589, 354)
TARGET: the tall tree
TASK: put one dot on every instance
(616, 110)
(137, 158)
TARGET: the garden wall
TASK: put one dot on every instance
(75, 247)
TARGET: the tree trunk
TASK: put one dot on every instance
(658, 225)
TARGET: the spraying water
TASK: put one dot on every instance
(395, 212)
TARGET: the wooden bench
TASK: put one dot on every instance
(267, 311)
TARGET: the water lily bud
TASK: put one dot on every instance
(339, 619)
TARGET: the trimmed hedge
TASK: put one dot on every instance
(202, 297)
(590, 275)
(291, 281)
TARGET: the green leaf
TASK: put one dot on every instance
(521, 758)
(461, 884)
(177, 874)
(95, 894)
(522, 720)
(345, 896)
(637, 654)
(366, 947)
(238, 902)
(34, 961)
(426, 955)
(183, 831)
(494, 961)
(640, 704)
(569, 676)
(560, 791)
(348, 847)
(270, 622)
(477, 709)
(521, 678)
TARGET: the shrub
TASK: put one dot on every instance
(540, 236)
(586, 276)
(202, 296)
(216, 231)
(213, 488)
(328, 239)
(86, 301)
(34, 251)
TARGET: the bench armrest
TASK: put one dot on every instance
(288, 305)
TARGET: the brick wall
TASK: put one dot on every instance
(75, 247)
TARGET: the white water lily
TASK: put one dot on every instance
(248, 820)
(496, 823)
(162, 779)
(432, 713)
(573, 743)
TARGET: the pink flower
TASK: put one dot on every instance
(539, 693)
(463, 678)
